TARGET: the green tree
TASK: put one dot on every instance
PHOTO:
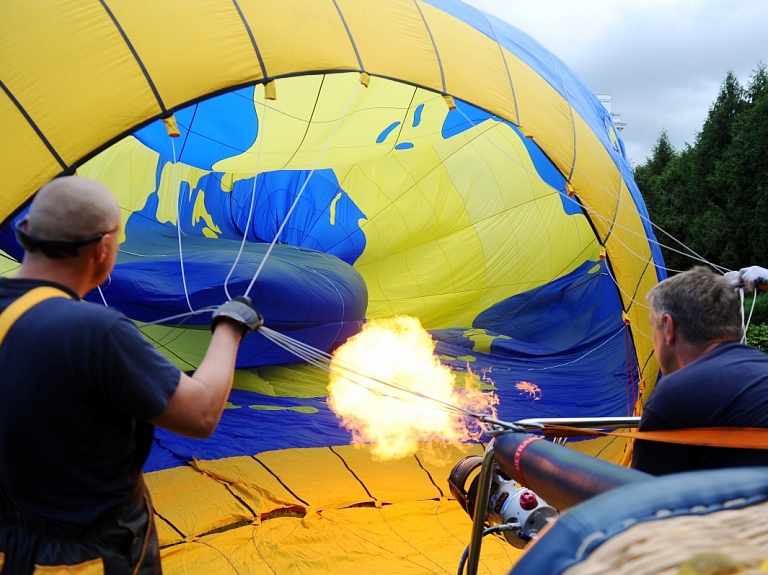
(663, 153)
(659, 180)
(717, 133)
(706, 198)
(713, 196)
(741, 177)
(675, 216)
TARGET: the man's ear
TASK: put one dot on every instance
(102, 248)
(668, 329)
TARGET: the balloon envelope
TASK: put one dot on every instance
(338, 162)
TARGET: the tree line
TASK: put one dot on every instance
(712, 196)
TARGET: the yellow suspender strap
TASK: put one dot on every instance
(25, 303)
(740, 437)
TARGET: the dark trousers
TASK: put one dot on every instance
(124, 542)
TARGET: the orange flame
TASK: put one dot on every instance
(533, 390)
(396, 420)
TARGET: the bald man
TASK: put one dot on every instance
(81, 391)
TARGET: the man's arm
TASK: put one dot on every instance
(195, 408)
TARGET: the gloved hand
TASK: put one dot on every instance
(734, 278)
(752, 276)
(239, 310)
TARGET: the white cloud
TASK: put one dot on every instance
(662, 61)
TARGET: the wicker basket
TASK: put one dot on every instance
(721, 543)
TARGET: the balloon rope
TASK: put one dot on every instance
(690, 253)
(322, 360)
(178, 225)
(101, 293)
(621, 330)
(745, 324)
(182, 316)
(301, 191)
(260, 135)
(250, 214)
(741, 309)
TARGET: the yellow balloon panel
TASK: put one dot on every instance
(291, 31)
(242, 514)
(171, 35)
(411, 58)
(480, 198)
(406, 538)
(233, 514)
(188, 502)
(80, 60)
(481, 72)
(19, 142)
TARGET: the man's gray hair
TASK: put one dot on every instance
(703, 305)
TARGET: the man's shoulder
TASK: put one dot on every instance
(730, 355)
(713, 378)
(68, 308)
(13, 288)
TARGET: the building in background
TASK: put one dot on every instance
(607, 101)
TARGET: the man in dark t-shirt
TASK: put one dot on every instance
(710, 379)
(81, 391)
(88, 384)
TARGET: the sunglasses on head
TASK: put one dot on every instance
(54, 249)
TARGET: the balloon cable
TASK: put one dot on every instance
(745, 324)
(260, 135)
(690, 253)
(359, 376)
(301, 190)
(178, 226)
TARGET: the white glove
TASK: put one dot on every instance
(734, 278)
(753, 276)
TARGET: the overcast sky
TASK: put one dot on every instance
(662, 61)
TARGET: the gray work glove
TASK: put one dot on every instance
(239, 310)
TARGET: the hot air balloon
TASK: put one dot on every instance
(339, 161)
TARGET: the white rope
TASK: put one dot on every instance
(594, 349)
(177, 181)
(690, 254)
(745, 324)
(338, 293)
(355, 374)
(751, 311)
(262, 129)
(183, 316)
(741, 309)
(301, 190)
(192, 311)
(101, 293)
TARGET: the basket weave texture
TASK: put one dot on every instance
(733, 541)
